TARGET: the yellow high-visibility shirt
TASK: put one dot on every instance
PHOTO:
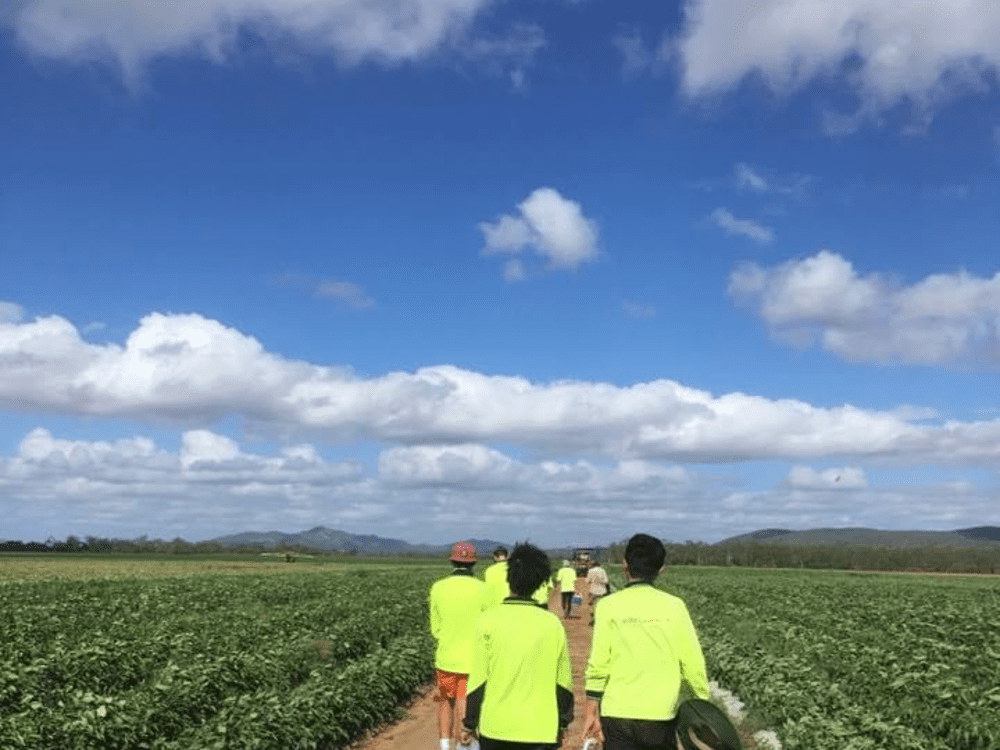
(455, 605)
(567, 579)
(644, 645)
(520, 687)
(495, 578)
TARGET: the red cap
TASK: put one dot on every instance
(463, 552)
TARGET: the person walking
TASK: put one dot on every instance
(495, 578)
(566, 577)
(597, 585)
(644, 646)
(520, 688)
(455, 605)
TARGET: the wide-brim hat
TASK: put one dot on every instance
(701, 725)
(463, 552)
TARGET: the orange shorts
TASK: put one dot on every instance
(450, 685)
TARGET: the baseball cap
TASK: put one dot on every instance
(701, 725)
(463, 552)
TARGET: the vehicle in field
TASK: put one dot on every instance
(581, 559)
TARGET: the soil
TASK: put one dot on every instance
(418, 729)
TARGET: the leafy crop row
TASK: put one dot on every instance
(854, 661)
(296, 661)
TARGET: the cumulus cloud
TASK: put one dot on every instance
(749, 228)
(554, 227)
(211, 486)
(942, 319)
(10, 313)
(133, 486)
(846, 478)
(887, 51)
(132, 32)
(194, 370)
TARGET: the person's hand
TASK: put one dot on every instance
(592, 723)
(467, 736)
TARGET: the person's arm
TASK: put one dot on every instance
(597, 673)
(435, 615)
(476, 685)
(564, 683)
(691, 658)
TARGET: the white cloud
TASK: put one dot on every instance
(131, 486)
(194, 370)
(132, 32)
(942, 319)
(551, 225)
(888, 51)
(846, 478)
(10, 313)
(747, 177)
(345, 292)
(213, 486)
(755, 231)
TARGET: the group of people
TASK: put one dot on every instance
(502, 659)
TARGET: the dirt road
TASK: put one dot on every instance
(418, 730)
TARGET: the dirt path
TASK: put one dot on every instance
(418, 729)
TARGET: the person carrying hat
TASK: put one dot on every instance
(644, 646)
(455, 604)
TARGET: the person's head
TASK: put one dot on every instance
(527, 569)
(594, 564)
(463, 555)
(566, 564)
(500, 553)
(644, 556)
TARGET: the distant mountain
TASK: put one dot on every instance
(332, 540)
(863, 537)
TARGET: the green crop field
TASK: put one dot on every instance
(241, 653)
(854, 661)
(308, 659)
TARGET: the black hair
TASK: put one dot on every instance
(527, 569)
(644, 555)
(500, 551)
(462, 564)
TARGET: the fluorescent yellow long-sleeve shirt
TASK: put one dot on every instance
(520, 687)
(644, 645)
(455, 605)
(495, 578)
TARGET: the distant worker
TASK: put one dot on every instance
(495, 578)
(597, 585)
(520, 688)
(566, 576)
(455, 605)
(644, 647)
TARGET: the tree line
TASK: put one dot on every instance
(978, 559)
(972, 559)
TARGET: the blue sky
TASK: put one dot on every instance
(434, 269)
